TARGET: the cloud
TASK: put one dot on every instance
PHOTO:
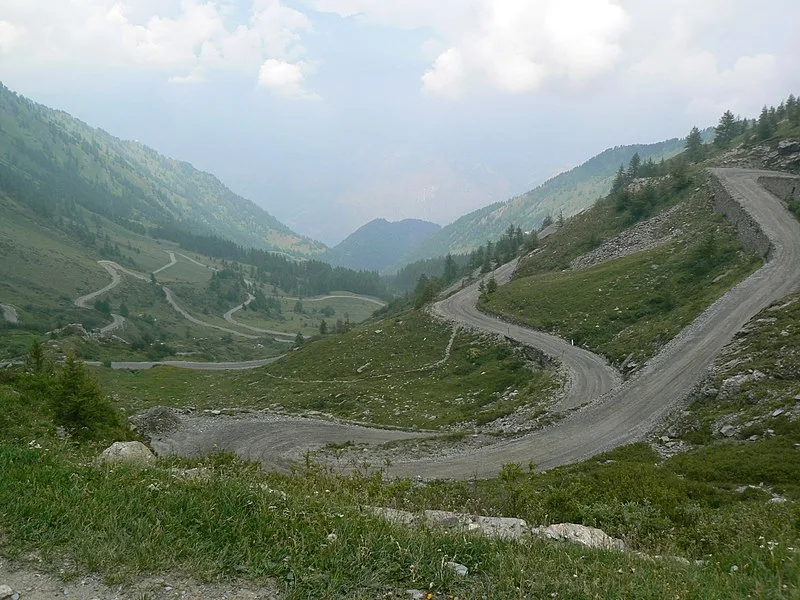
(682, 61)
(285, 78)
(514, 46)
(10, 36)
(188, 39)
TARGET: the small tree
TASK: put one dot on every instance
(36, 360)
(491, 286)
(299, 340)
(694, 145)
(725, 130)
(323, 327)
(80, 406)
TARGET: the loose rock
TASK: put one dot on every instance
(590, 537)
(127, 452)
(458, 568)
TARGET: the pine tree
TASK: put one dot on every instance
(323, 327)
(766, 124)
(450, 269)
(634, 166)
(726, 130)
(619, 180)
(487, 258)
(694, 145)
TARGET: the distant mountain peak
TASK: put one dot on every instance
(380, 244)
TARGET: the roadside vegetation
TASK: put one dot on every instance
(627, 308)
(309, 534)
(395, 372)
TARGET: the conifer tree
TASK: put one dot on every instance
(694, 145)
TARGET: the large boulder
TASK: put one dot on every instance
(135, 453)
(590, 537)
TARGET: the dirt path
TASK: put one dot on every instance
(277, 442)
(630, 412)
(30, 583)
(228, 316)
(612, 414)
(172, 261)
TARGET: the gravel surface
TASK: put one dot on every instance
(27, 582)
(605, 412)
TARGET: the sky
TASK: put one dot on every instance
(330, 113)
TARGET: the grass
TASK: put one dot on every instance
(399, 383)
(770, 345)
(629, 306)
(243, 523)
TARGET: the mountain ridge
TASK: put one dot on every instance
(63, 162)
(570, 191)
(380, 244)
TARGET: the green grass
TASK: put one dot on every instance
(308, 322)
(769, 344)
(242, 523)
(239, 522)
(399, 383)
(632, 305)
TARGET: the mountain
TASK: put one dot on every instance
(570, 192)
(380, 244)
(49, 155)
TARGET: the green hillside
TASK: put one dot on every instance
(378, 245)
(570, 192)
(57, 163)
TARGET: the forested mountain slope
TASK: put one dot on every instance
(570, 192)
(55, 163)
(379, 244)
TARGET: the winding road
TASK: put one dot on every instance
(609, 413)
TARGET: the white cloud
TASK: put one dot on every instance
(285, 78)
(680, 61)
(187, 39)
(512, 45)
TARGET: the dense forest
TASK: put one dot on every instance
(298, 277)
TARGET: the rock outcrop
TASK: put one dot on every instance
(135, 453)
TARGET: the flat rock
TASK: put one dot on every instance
(127, 452)
(591, 537)
(491, 527)
(5, 592)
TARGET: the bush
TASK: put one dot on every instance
(80, 406)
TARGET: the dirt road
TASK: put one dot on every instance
(590, 375)
(629, 413)
(612, 414)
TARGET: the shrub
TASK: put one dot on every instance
(80, 406)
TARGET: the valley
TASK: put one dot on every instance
(626, 372)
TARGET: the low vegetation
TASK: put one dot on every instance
(629, 306)
(308, 534)
(396, 372)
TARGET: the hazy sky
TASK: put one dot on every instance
(330, 113)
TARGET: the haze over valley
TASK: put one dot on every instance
(366, 299)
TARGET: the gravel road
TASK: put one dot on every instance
(611, 414)
(628, 413)
(277, 442)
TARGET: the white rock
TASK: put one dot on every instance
(590, 537)
(778, 412)
(728, 431)
(5, 592)
(458, 568)
(127, 452)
